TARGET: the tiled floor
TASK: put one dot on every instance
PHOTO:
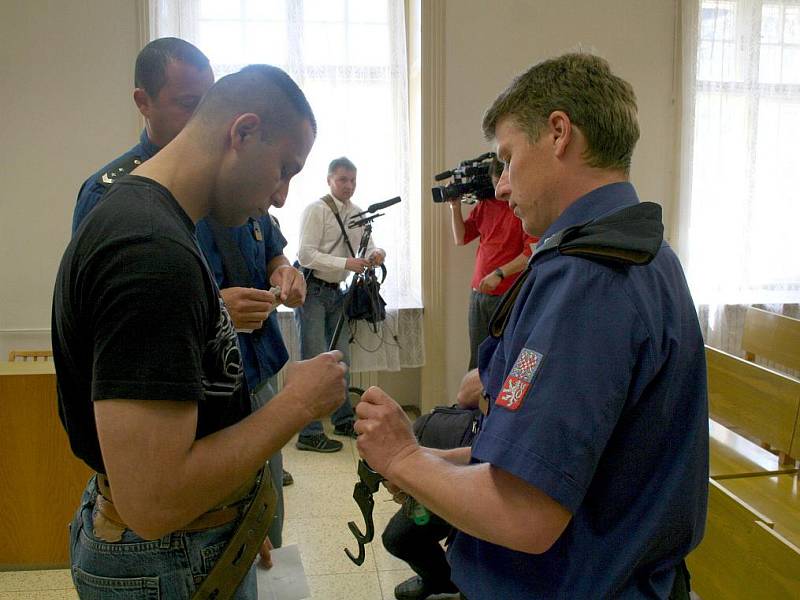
(318, 507)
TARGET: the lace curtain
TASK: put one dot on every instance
(349, 57)
(740, 177)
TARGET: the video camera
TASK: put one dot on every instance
(471, 181)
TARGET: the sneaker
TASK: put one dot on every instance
(319, 442)
(287, 478)
(345, 430)
(415, 588)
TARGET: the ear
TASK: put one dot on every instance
(244, 128)
(142, 101)
(560, 128)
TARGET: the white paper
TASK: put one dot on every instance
(286, 580)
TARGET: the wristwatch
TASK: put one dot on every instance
(499, 272)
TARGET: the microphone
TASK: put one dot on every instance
(381, 205)
(443, 175)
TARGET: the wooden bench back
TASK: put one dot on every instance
(741, 556)
(772, 337)
(757, 403)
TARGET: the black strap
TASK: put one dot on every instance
(332, 205)
(233, 265)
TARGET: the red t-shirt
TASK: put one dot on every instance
(501, 240)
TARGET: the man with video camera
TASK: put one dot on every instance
(503, 250)
(327, 253)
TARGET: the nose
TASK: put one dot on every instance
(502, 190)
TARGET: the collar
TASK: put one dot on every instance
(598, 202)
(149, 149)
(340, 203)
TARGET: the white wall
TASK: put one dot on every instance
(488, 43)
(67, 73)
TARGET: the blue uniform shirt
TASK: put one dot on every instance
(93, 188)
(598, 391)
(263, 351)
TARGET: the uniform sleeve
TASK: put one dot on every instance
(274, 242)
(90, 194)
(149, 319)
(471, 223)
(575, 348)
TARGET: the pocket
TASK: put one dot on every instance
(211, 554)
(92, 587)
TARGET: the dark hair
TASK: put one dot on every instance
(150, 73)
(600, 104)
(264, 90)
(341, 163)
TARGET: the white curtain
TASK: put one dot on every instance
(349, 57)
(740, 164)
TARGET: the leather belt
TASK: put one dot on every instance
(324, 283)
(227, 512)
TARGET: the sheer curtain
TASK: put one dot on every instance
(740, 166)
(349, 57)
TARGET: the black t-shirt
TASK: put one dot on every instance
(137, 315)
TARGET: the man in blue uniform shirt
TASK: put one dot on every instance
(589, 476)
(170, 78)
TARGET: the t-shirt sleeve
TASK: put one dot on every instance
(570, 361)
(274, 242)
(149, 318)
(471, 223)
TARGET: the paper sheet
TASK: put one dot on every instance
(286, 580)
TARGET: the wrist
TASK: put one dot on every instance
(499, 272)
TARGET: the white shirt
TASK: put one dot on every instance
(322, 246)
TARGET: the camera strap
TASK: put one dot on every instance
(328, 199)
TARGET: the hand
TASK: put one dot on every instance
(248, 307)
(376, 257)
(356, 265)
(488, 283)
(317, 383)
(292, 284)
(265, 560)
(384, 431)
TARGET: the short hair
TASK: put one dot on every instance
(264, 90)
(150, 73)
(341, 163)
(600, 104)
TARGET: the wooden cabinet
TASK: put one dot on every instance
(40, 479)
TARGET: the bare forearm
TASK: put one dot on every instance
(457, 224)
(522, 517)
(514, 266)
(275, 262)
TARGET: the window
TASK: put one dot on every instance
(743, 183)
(349, 57)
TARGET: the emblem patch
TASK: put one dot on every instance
(519, 379)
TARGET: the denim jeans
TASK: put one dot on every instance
(263, 394)
(481, 308)
(316, 321)
(137, 569)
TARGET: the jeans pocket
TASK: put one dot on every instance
(211, 554)
(92, 587)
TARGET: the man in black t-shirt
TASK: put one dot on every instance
(149, 372)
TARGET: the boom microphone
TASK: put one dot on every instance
(381, 205)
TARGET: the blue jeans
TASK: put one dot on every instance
(138, 569)
(316, 321)
(263, 394)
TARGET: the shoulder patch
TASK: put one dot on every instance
(117, 169)
(519, 380)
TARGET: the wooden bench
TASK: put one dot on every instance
(772, 337)
(756, 403)
(742, 555)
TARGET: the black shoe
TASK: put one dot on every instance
(345, 430)
(287, 478)
(319, 442)
(414, 588)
